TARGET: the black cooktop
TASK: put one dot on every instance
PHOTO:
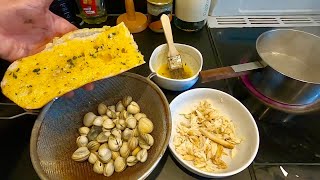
(285, 138)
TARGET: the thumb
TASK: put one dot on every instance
(61, 26)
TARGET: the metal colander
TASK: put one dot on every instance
(54, 134)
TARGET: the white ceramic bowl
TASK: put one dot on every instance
(245, 128)
(159, 57)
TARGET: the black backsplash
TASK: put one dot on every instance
(118, 6)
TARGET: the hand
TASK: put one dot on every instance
(26, 26)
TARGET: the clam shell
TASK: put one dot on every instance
(132, 160)
(131, 122)
(120, 164)
(98, 167)
(104, 154)
(93, 146)
(103, 146)
(94, 132)
(127, 134)
(108, 169)
(98, 121)
(83, 131)
(143, 144)
(123, 114)
(114, 143)
(133, 108)
(133, 143)
(116, 132)
(108, 124)
(111, 114)
(103, 136)
(93, 158)
(121, 124)
(112, 108)
(124, 150)
(147, 138)
(120, 107)
(115, 154)
(138, 116)
(82, 141)
(145, 126)
(81, 154)
(126, 100)
(102, 109)
(135, 132)
(142, 155)
(88, 119)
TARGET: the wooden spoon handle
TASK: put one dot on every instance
(168, 33)
(219, 73)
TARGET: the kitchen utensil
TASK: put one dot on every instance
(292, 73)
(135, 21)
(159, 57)
(56, 128)
(230, 71)
(244, 122)
(174, 58)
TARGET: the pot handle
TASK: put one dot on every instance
(151, 75)
(230, 71)
(219, 74)
(14, 112)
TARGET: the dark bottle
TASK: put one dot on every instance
(64, 9)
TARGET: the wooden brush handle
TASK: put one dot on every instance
(219, 73)
(168, 33)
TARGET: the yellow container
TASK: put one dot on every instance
(155, 9)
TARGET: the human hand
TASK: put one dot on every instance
(26, 26)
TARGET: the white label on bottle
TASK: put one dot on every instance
(192, 10)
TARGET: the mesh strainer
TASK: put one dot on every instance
(55, 131)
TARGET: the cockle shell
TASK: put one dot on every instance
(81, 154)
(120, 164)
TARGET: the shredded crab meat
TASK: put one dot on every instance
(204, 136)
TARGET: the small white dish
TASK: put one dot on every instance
(244, 122)
(159, 57)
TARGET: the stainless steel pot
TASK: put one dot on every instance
(293, 72)
(289, 72)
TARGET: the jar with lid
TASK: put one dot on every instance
(191, 15)
(92, 11)
(155, 9)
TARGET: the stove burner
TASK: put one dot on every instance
(278, 105)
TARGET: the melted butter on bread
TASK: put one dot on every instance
(77, 58)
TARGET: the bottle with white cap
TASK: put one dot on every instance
(191, 15)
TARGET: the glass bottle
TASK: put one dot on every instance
(92, 11)
(155, 9)
(191, 15)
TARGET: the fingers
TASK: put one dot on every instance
(11, 50)
(61, 26)
(69, 94)
(88, 87)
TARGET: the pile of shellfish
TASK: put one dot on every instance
(116, 138)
